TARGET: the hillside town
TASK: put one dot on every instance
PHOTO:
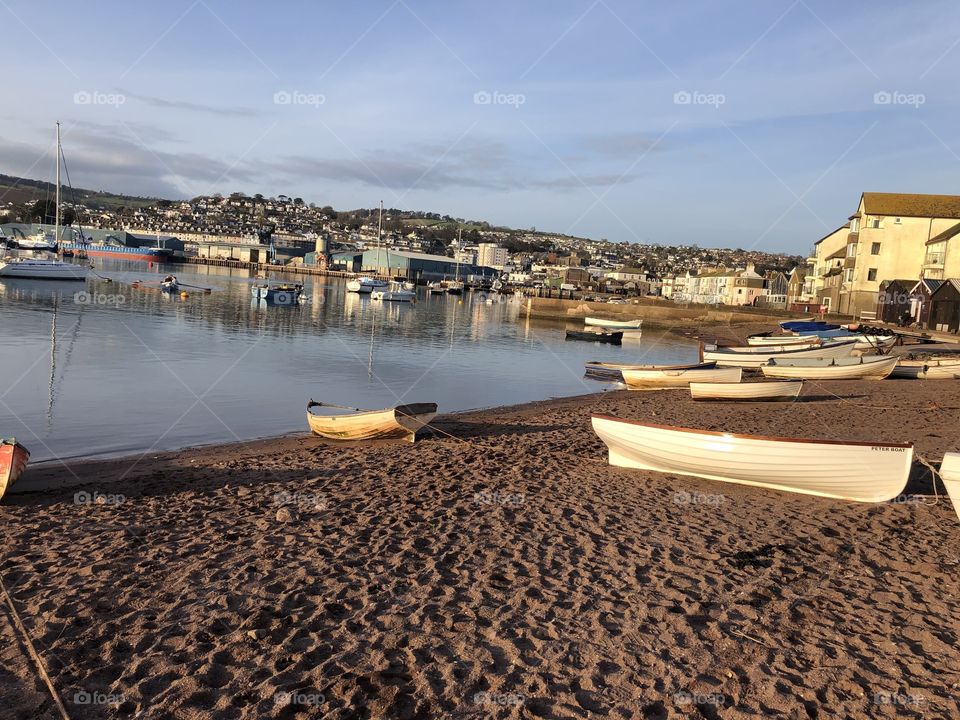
(886, 261)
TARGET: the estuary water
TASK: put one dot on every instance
(104, 368)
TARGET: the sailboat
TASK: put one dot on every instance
(394, 291)
(35, 268)
(455, 286)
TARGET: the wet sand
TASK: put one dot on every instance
(498, 568)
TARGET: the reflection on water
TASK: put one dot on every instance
(106, 368)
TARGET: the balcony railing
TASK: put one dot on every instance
(933, 259)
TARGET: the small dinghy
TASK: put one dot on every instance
(614, 371)
(657, 379)
(13, 461)
(336, 422)
(608, 337)
(846, 470)
(616, 324)
(747, 392)
(728, 357)
(863, 368)
(278, 294)
(780, 340)
(928, 369)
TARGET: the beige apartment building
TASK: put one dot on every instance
(890, 236)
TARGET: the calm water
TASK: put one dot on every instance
(135, 370)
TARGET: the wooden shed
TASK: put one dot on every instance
(920, 300)
(893, 301)
(945, 307)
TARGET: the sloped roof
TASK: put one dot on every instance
(842, 252)
(954, 282)
(907, 205)
(832, 232)
(931, 284)
(945, 235)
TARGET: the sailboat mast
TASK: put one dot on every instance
(56, 226)
(459, 250)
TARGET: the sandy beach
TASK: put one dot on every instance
(498, 568)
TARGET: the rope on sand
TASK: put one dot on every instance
(33, 653)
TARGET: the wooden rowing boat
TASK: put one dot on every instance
(847, 470)
(13, 461)
(613, 371)
(928, 369)
(863, 368)
(617, 324)
(335, 422)
(608, 337)
(659, 379)
(780, 340)
(726, 358)
(950, 474)
(747, 392)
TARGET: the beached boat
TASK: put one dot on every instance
(656, 379)
(780, 340)
(862, 368)
(336, 422)
(846, 470)
(13, 461)
(727, 358)
(764, 348)
(617, 324)
(874, 342)
(747, 392)
(608, 337)
(950, 474)
(613, 371)
(928, 369)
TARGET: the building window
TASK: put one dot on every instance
(875, 223)
(855, 225)
(848, 275)
(872, 275)
(897, 221)
(875, 249)
(851, 249)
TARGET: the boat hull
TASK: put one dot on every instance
(41, 270)
(779, 340)
(746, 392)
(608, 337)
(658, 379)
(950, 474)
(13, 461)
(864, 369)
(401, 422)
(121, 253)
(618, 324)
(861, 472)
(725, 358)
(927, 369)
(614, 371)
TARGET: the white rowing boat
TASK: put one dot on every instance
(781, 340)
(862, 368)
(747, 392)
(618, 324)
(875, 342)
(754, 349)
(335, 422)
(612, 371)
(660, 378)
(950, 474)
(860, 471)
(726, 358)
(928, 369)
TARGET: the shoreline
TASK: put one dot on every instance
(498, 568)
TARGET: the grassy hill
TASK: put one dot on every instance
(25, 190)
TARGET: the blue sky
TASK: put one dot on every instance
(742, 124)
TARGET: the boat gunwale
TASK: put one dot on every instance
(733, 353)
(743, 436)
